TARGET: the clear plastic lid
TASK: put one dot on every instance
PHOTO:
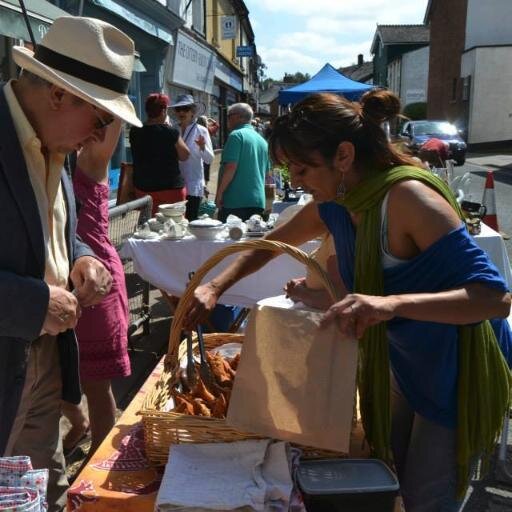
(345, 476)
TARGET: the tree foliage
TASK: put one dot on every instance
(296, 78)
(415, 111)
(268, 82)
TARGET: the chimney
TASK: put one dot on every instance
(360, 59)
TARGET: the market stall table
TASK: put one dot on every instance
(492, 242)
(167, 263)
(118, 476)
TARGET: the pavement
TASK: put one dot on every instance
(494, 161)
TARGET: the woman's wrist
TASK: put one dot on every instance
(215, 288)
(399, 305)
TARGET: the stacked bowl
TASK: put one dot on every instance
(206, 229)
(174, 211)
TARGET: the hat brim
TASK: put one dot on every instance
(182, 104)
(200, 107)
(119, 105)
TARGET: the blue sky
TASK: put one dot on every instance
(302, 35)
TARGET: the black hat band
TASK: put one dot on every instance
(81, 70)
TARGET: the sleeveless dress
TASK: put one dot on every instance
(102, 330)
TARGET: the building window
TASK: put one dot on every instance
(466, 88)
(454, 89)
(198, 16)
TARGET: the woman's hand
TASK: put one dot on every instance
(356, 312)
(94, 157)
(201, 142)
(205, 299)
(298, 291)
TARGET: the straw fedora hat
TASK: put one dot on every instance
(88, 58)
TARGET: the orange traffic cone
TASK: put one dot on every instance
(489, 201)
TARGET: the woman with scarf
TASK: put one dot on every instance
(433, 382)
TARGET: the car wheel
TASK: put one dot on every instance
(460, 161)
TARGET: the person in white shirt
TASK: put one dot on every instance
(198, 141)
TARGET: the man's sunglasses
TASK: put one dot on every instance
(100, 122)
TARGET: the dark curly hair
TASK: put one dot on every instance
(320, 122)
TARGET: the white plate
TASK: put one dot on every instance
(228, 349)
(168, 237)
(146, 236)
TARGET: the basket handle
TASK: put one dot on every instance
(267, 245)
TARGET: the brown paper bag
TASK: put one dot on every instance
(295, 381)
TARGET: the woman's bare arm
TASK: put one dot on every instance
(304, 226)
(418, 217)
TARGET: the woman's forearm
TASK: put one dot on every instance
(247, 263)
(473, 303)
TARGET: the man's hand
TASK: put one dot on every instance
(218, 201)
(91, 279)
(63, 311)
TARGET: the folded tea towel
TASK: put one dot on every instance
(22, 489)
(18, 499)
(244, 475)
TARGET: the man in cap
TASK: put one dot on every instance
(244, 164)
(70, 89)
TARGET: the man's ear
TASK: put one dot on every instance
(344, 157)
(57, 95)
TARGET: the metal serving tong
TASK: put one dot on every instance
(191, 367)
(204, 367)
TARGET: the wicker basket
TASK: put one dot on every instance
(161, 428)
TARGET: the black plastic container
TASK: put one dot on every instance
(347, 485)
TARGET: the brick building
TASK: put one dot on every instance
(471, 67)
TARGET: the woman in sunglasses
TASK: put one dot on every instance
(198, 141)
(157, 149)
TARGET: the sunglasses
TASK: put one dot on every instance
(100, 122)
(182, 109)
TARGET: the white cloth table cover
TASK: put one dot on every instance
(167, 263)
(492, 242)
(278, 206)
